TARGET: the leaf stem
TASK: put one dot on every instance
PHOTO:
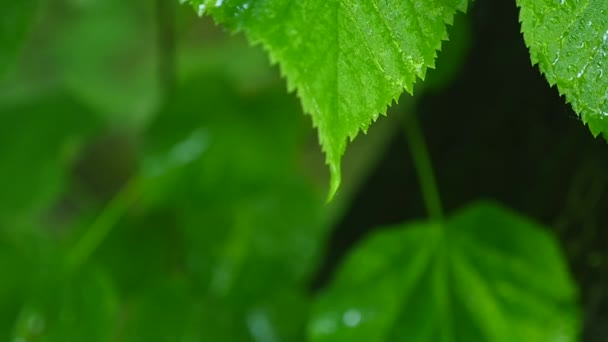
(102, 225)
(424, 167)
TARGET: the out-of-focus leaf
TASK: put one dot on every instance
(247, 134)
(237, 159)
(106, 53)
(82, 308)
(239, 221)
(163, 313)
(17, 268)
(152, 244)
(172, 310)
(15, 22)
(204, 47)
(487, 274)
(38, 140)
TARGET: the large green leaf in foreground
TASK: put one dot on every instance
(348, 60)
(487, 275)
(569, 41)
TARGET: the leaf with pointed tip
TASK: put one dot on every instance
(486, 275)
(568, 39)
(348, 60)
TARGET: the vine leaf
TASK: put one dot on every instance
(348, 60)
(568, 39)
(486, 275)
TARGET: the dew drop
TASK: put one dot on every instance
(555, 60)
(583, 70)
(260, 327)
(352, 318)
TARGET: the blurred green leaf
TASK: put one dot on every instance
(254, 133)
(163, 313)
(487, 274)
(40, 302)
(17, 277)
(224, 208)
(106, 53)
(204, 47)
(38, 141)
(15, 22)
(245, 214)
(81, 308)
(172, 310)
(227, 163)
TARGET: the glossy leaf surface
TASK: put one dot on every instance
(486, 275)
(568, 39)
(348, 60)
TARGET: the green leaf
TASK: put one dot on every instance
(232, 178)
(348, 60)
(15, 22)
(82, 308)
(225, 209)
(118, 74)
(16, 265)
(568, 39)
(172, 311)
(162, 313)
(38, 141)
(485, 275)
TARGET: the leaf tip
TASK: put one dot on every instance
(336, 179)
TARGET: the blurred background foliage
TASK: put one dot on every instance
(157, 183)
